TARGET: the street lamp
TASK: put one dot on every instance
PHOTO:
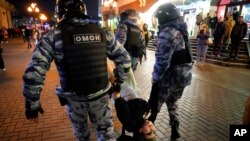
(43, 18)
(34, 10)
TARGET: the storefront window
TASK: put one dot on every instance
(246, 15)
(221, 11)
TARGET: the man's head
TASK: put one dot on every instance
(235, 9)
(130, 14)
(241, 19)
(123, 16)
(64, 7)
(166, 13)
(220, 19)
(148, 131)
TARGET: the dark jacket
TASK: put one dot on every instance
(219, 31)
(213, 22)
(130, 113)
(239, 31)
(202, 37)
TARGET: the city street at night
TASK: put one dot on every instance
(214, 100)
(180, 70)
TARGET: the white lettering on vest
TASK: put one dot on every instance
(87, 38)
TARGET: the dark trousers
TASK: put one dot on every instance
(171, 101)
(1, 62)
(29, 41)
(234, 49)
(217, 46)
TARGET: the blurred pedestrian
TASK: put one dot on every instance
(198, 22)
(173, 65)
(202, 44)
(128, 33)
(229, 23)
(79, 48)
(236, 14)
(213, 22)
(28, 36)
(218, 37)
(5, 35)
(146, 37)
(207, 21)
(2, 66)
(238, 33)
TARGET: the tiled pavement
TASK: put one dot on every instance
(214, 100)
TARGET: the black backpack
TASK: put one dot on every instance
(133, 43)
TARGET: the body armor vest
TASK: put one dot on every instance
(85, 57)
(184, 55)
(133, 42)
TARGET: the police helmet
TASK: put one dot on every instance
(66, 6)
(166, 13)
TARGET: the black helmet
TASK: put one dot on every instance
(66, 6)
(166, 13)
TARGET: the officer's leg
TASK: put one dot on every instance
(100, 114)
(173, 111)
(78, 113)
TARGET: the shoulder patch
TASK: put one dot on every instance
(87, 38)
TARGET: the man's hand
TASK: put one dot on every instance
(112, 79)
(32, 109)
(116, 95)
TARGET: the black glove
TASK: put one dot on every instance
(118, 80)
(31, 112)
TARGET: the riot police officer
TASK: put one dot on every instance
(80, 49)
(129, 34)
(172, 69)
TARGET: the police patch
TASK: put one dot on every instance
(87, 38)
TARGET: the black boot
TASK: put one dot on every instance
(175, 131)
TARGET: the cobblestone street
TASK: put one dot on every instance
(214, 100)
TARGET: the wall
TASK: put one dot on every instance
(3, 18)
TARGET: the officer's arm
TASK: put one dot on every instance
(121, 33)
(34, 76)
(118, 54)
(167, 42)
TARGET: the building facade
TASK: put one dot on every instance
(189, 10)
(5, 14)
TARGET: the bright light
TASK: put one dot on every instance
(30, 9)
(33, 5)
(43, 17)
(37, 10)
(111, 1)
(106, 3)
(147, 16)
(114, 4)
